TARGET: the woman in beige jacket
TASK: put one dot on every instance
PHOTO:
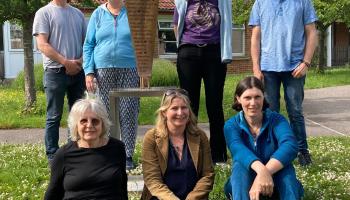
(176, 158)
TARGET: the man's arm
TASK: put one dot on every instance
(255, 52)
(72, 66)
(311, 39)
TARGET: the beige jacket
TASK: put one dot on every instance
(155, 159)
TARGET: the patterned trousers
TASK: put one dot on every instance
(109, 78)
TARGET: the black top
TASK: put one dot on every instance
(180, 175)
(89, 173)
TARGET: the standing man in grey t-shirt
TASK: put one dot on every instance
(60, 32)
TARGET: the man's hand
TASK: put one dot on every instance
(90, 84)
(255, 52)
(263, 184)
(73, 67)
(258, 74)
(300, 71)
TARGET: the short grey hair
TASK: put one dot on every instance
(79, 108)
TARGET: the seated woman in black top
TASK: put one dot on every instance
(92, 166)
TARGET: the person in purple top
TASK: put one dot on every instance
(203, 29)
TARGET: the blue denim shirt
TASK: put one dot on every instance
(282, 24)
(276, 140)
(225, 9)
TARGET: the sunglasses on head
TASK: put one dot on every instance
(174, 91)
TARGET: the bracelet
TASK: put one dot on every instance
(306, 63)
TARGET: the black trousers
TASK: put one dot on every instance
(195, 63)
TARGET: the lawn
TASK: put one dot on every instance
(12, 101)
(24, 173)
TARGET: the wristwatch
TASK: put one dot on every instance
(306, 63)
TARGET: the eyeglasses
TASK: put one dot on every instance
(93, 121)
(174, 91)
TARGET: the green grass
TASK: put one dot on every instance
(12, 98)
(24, 173)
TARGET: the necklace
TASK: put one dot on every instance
(112, 10)
(178, 150)
(178, 144)
(255, 130)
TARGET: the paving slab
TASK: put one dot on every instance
(327, 111)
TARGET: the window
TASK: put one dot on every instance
(16, 33)
(167, 40)
(238, 40)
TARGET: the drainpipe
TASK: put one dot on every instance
(329, 42)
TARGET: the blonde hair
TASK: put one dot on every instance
(161, 122)
(79, 108)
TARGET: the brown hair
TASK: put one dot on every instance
(247, 83)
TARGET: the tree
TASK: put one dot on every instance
(241, 10)
(328, 12)
(23, 12)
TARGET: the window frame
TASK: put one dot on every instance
(243, 29)
(10, 49)
(10, 38)
(166, 55)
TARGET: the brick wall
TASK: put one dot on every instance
(244, 63)
(238, 65)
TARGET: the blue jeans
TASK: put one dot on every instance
(293, 96)
(56, 84)
(241, 180)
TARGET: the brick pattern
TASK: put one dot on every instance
(142, 17)
(242, 64)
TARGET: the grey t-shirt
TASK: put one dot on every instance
(65, 27)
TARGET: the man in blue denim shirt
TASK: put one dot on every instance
(284, 39)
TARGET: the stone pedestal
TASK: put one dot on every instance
(129, 92)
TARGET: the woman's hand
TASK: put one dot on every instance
(90, 84)
(263, 182)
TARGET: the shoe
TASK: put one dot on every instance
(129, 163)
(304, 159)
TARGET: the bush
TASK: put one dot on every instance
(18, 83)
(164, 73)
